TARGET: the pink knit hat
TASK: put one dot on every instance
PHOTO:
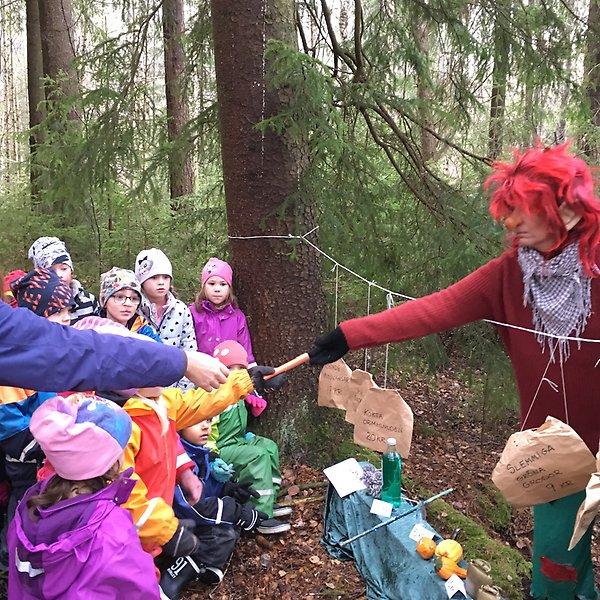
(231, 353)
(82, 436)
(216, 267)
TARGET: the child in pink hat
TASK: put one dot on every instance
(254, 458)
(217, 318)
(70, 538)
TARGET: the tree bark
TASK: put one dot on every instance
(282, 298)
(181, 172)
(58, 46)
(421, 33)
(592, 80)
(499, 78)
(35, 87)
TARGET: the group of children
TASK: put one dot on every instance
(115, 491)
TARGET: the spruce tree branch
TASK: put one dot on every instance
(434, 210)
(301, 32)
(447, 142)
(337, 49)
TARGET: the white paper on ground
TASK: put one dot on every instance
(345, 477)
(418, 532)
(455, 584)
(381, 508)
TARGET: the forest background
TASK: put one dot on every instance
(173, 124)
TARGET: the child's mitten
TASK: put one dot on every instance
(256, 403)
(249, 436)
(191, 485)
(221, 471)
(260, 385)
(242, 492)
(249, 517)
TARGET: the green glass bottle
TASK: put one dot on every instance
(391, 465)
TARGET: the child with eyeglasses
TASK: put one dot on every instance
(120, 299)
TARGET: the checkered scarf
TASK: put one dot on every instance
(559, 293)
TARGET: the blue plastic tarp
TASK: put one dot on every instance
(386, 559)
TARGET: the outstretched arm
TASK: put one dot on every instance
(470, 299)
(38, 354)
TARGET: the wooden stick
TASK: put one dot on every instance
(306, 500)
(288, 366)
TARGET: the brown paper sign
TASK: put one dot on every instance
(543, 464)
(360, 383)
(380, 415)
(589, 508)
(333, 382)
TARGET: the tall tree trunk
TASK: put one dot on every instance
(58, 45)
(181, 172)
(35, 86)
(283, 298)
(592, 80)
(499, 78)
(58, 54)
(420, 30)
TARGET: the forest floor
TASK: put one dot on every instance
(449, 449)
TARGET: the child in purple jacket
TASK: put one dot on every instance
(70, 539)
(217, 320)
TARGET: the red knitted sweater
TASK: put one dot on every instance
(495, 291)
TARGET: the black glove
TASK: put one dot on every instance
(242, 492)
(249, 518)
(260, 385)
(183, 542)
(328, 348)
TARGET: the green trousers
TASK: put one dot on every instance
(553, 564)
(257, 462)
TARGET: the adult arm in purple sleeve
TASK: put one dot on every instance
(38, 354)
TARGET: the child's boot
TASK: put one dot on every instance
(272, 526)
(184, 570)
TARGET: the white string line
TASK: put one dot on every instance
(368, 313)
(337, 282)
(552, 385)
(303, 238)
(389, 299)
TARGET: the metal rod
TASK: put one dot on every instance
(408, 512)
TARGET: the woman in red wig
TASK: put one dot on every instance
(548, 281)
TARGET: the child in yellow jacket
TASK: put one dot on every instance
(152, 450)
(157, 415)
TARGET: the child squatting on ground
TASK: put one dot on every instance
(255, 459)
(152, 450)
(70, 538)
(216, 319)
(219, 515)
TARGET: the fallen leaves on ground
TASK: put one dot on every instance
(288, 566)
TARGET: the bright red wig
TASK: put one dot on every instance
(540, 180)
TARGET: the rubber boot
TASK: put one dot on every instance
(184, 570)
